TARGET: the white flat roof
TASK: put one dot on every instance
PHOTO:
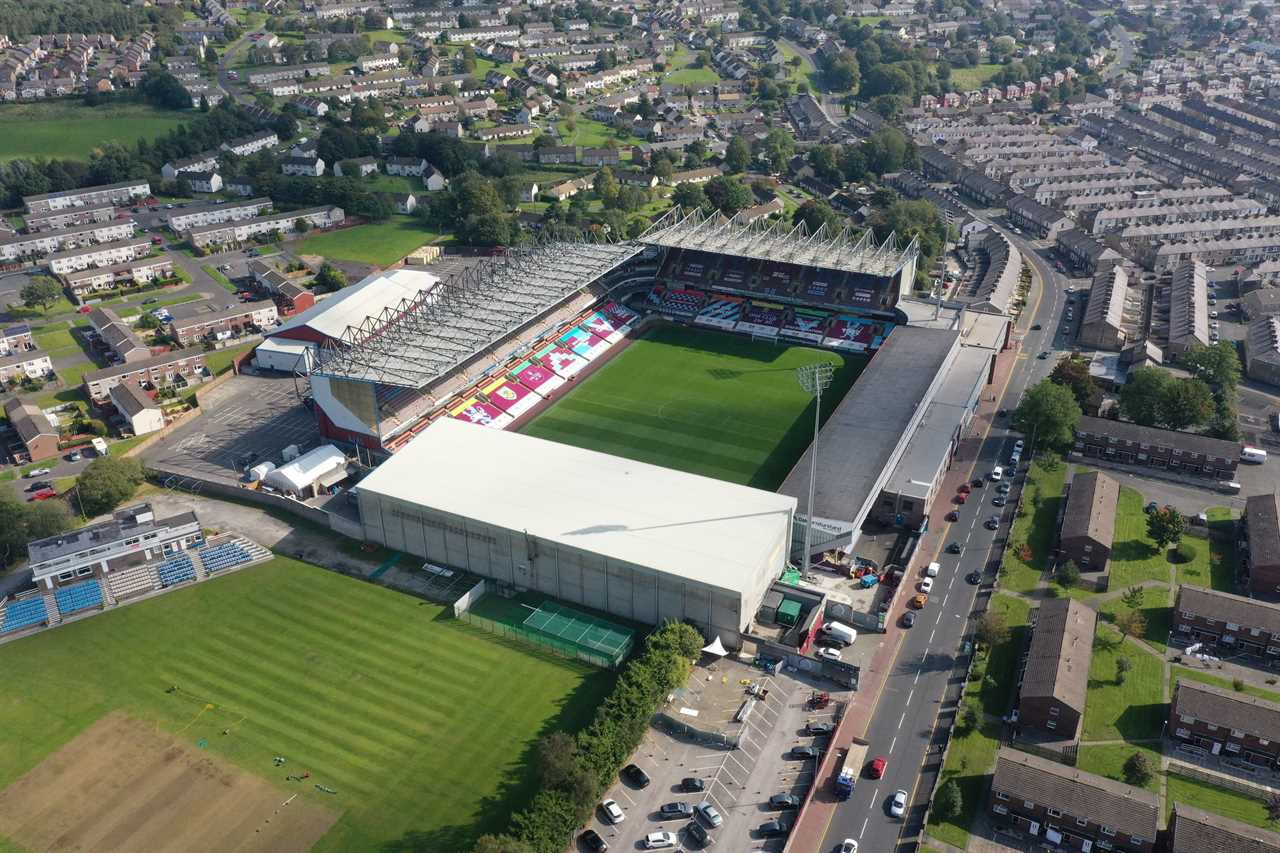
(697, 528)
(366, 298)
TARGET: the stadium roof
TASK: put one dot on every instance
(704, 530)
(843, 251)
(369, 297)
(415, 341)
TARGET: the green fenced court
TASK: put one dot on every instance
(543, 622)
(705, 402)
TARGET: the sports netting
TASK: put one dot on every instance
(543, 622)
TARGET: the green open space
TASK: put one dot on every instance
(680, 70)
(56, 340)
(397, 36)
(1221, 801)
(1036, 526)
(589, 133)
(1134, 556)
(705, 402)
(379, 243)
(1108, 760)
(802, 72)
(219, 361)
(1134, 710)
(1223, 562)
(71, 130)
(219, 276)
(1181, 672)
(1155, 609)
(968, 79)
(72, 376)
(423, 725)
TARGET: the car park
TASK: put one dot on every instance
(633, 774)
(1014, 459)
(670, 811)
(1018, 445)
(708, 812)
(659, 840)
(876, 768)
(697, 833)
(612, 811)
(898, 807)
(592, 841)
(818, 727)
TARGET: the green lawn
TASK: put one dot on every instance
(1134, 556)
(1131, 711)
(1217, 800)
(394, 184)
(379, 244)
(421, 723)
(804, 72)
(1108, 760)
(1037, 527)
(1002, 661)
(969, 760)
(71, 130)
(1181, 672)
(56, 339)
(1154, 607)
(1223, 562)
(72, 377)
(681, 73)
(218, 276)
(706, 402)
(968, 79)
(219, 361)
(396, 36)
(589, 133)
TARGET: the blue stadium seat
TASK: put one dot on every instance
(224, 556)
(78, 596)
(24, 614)
(175, 570)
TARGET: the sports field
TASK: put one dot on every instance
(379, 244)
(72, 130)
(705, 402)
(420, 724)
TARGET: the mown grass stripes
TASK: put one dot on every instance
(424, 725)
(701, 401)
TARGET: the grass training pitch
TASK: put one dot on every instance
(378, 244)
(709, 403)
(422, 725)
(72, 130)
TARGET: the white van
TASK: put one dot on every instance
(841, 632)
(1231, 488)
(932, 571)
(1253, 454)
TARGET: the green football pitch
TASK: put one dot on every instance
(706, 402)
(422, 724)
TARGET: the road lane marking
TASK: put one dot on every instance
(900, 719)
(931, 633)
(910, 694)
(862, 831)
(892, 744)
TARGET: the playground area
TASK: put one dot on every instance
(120, 768)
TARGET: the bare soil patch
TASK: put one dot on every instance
(123, 786)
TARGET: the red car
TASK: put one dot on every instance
(876, 768)
(964, 489)
(962, 497)
(43, 495)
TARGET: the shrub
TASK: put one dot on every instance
(1184, 553)
(1237, 684)
(949, 801)
(1138, 770)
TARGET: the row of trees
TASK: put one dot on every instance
(575, 769)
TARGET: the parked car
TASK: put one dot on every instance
(1004, 488)
(784, 801)
(1150, 508)
(999, 500)
(952, 516)
(612, 811)
(592, 841)
(38, 485)
(38, 472)
(828, 653)
(908, 619)
(152, 300)
(774, 828)
(691, 784)
(919, 601)
(633, 774)
(668, 811)
(708, 812)
(697, 832)
(926, 585)
(818, 727)
(997, 474)
(74, 456)
(801, 752)
(974, 578)
(876, 768)
(1018, 445)
(898, 807)
(43, 495)
(849, 845)
(659, 840)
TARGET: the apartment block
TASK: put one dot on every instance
(285, 223)
(1130, 444)
(155, 372)
(101, 255)
(122, 193)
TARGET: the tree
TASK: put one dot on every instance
(301, 225)
(1131, 623)
(1049, 412)
(1132, 597)
(1259, 12)
(606, 185)
(557, 759)
(1068, 574)
(814, 214)
(1142, 396)
(1217, 364)
(728, 194)
(1138, 769)
(41, 290)
(1040, 102)
(107, 482)
(330, 278)
(162, 89)
(688, 196)
(949, 801)
(992, 629)
(968, 720)
(1186, 403)
(148, 321)
(1123, 666)
(737, 156)
(1165, 526)
(1072, 371)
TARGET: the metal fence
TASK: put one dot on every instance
(557, 646)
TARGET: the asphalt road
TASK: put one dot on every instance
(913, 715)
(1125, 51)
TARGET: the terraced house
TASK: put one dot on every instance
(1193, 830)
(1226, 622)
(1224, 722)
(1071, 809)
(1055, 679)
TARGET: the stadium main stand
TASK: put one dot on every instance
(79, 596)
(24, 613)
(175, 570)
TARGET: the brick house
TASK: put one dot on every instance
(39, 436)
(1193, 830)
(1262, 522)
(1224, 722)
(1088, 524)
(1055, 679)
(1071, 809)
(1130, 444)
(1226, 622)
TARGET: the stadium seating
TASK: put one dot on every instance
(24, 614)
(761, 315)
(175, 570)
(720, 311)
(806, 323)
(78, 596)
(693, 271)
(685, 302)
(224, 556)
(735, 272)
(817, 289)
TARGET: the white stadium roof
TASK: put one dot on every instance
(369, 297)
(704, 530)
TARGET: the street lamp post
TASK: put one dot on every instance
(813, 378)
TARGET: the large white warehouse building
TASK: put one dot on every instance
(637, 541)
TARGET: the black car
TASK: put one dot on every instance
(999, 500)
(1042, 356)
(1035, 327)
(775, 828)
(1150, 508)
(635, 776)
(974, 578)
(38, 485)
(818, 728)
(803, 752)
(978, 483)
(691, 784)
(152, 301)
(992, 523)
(668, 811)
(954, 548)
(909, 619)
(697, 833)
(593, 842)
(784, 801)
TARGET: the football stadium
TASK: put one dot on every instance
(620, 426)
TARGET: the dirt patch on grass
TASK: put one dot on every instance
(123, 786)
